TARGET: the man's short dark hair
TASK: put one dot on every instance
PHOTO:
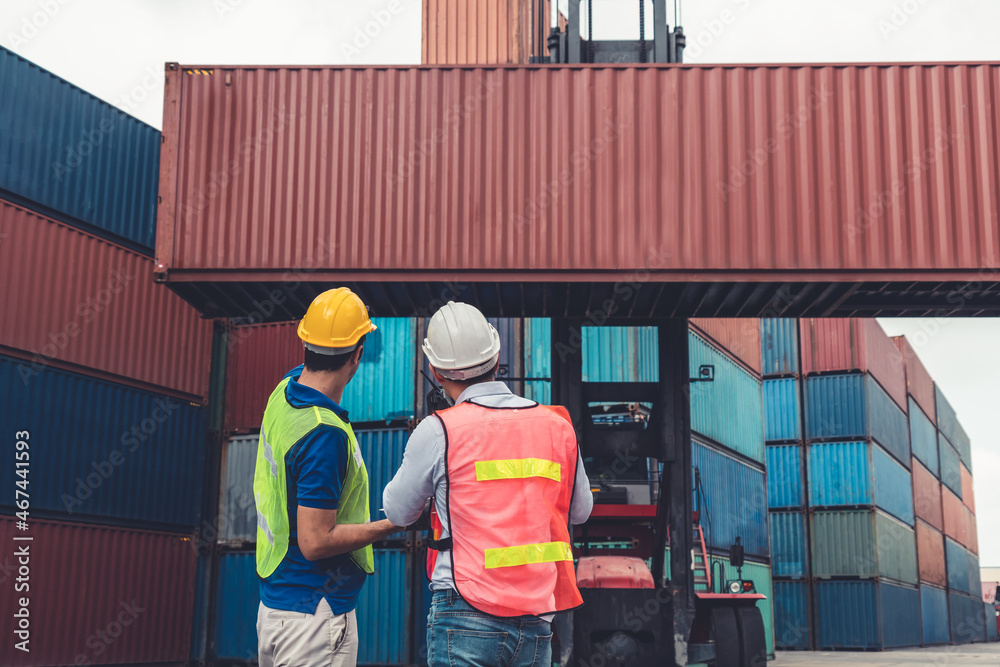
(326, 363)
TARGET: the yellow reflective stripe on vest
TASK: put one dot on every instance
(517, 469)
(526, 554)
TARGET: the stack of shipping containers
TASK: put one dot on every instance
(104, 377)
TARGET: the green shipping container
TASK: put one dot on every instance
(863, 543)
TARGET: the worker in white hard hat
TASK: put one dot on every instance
(507, 480)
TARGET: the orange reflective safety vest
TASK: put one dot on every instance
(511, 474)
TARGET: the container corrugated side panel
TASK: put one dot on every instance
(930, 555)
(237, 600)
(948, 424)
(934, 612)
(975, 584)
(538, 358)
(992, 630)
(383, 611)
(923, 438)
(843, 544)
(70, 152)
(971, 531)
(611, 217)
(730, 409)
(784, 476)
(789, 544)
(893, 486)
(87, 578)
(260, 355)
(955, 525)
(887, 422)
(847, 615)
(958, 565)
(967, 621)
(927, 496)
(779, 340)
(735, 500)
(900, 612)
(951, 466)
(919, 383)
(740, 337)
(782, 410)
(968, 497)
(114, 454)
(792, 627)
(840, 473)
(76, 300)
(897, 549)
(884, 360)
(620, 354)
(835, 407)
(199, 622)
(481, 32)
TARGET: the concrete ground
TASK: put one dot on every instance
(968, 655)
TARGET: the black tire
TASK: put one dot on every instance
(726, 636)
(753, 639)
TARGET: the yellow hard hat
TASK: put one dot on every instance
(335, 322)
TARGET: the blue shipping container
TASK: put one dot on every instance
(791, 615)
(383, 612)
(382, 389)
(779, 342)
(859, 473)
(968, 623)
(866, 615)
(113, 454)
(947, 423)
(923, 438)
(992, 631)
(620, 354)
(900, 610)
(957, 560)
(934, 612)
(76, 156)
(848, 407)
(789, 553)
(951, 466)
(199, 626)
(975, 586)
(782, 414)
(784, 476)
(735, 503)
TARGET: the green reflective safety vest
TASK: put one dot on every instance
(284, 427)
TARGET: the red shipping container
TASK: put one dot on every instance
(971, 531)
(839, 345)
(990, 591)
(927, 495)
(955, 525)
(100, 595)
(968, 497)
(738, 336)
(84, 304)
(930, 555)
(483, 31)
(919, 383)
(259, 356)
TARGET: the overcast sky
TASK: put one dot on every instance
(116, 49)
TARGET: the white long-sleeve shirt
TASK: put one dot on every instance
(422, 474)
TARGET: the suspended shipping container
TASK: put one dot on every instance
(102, 452)
(862, 543)
(848, 407)
(931, 555)
(948, 424)
(792, 612)
(789, 544)
(101, 595)
(919, 383)
(955, 525)
(923, 438)
(782, 412)
(77, 157)
(859, 474)
(927, 496)
(860, 345)
(381, 450)
(866, 615)
(784, 476)
(383, 611)
(934, 613)
(260, 355)
(501, 31)
(79, 302)
(951, 465)
(735, 501)
(739, 337)
(779, 340)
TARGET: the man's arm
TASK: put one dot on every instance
(320, 536)
(583, 497)
(405, 496)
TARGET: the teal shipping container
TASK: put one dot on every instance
(792, 612)
(934, 613)
(923, 438)
(947, 423)
(951, 465)
(779, 341)
(782, 410)
(734, 503)
(789, 544)
(857, 474)
(784, 476)
(866, 615)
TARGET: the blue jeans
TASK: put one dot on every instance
(460, 635)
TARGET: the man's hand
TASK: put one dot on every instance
(320, 536)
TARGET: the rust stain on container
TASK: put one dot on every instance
(82, 303)
(515, 171)
(483, 31)
(927, 495)
(103, 595)
(738, 336)
(918, 380)
(955, 522)
(930, 555)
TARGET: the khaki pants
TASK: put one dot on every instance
(293, 639)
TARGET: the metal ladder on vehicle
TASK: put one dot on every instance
(699, 558)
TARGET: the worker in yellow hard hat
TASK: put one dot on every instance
(314, 527)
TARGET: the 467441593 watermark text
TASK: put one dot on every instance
(21, 546)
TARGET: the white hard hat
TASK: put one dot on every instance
(460, 343)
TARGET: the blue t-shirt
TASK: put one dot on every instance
(314, 470)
